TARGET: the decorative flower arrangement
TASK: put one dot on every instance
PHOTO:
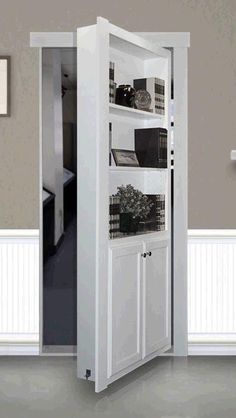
(133, 201)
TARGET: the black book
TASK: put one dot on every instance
(114, 217)
(151, 147)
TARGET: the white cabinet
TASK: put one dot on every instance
(123, 298)
(156, 298)
(138, 304)
(124, 307)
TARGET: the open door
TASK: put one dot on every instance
(124, 210)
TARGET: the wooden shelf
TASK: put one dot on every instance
(135, 169)
(130, 112)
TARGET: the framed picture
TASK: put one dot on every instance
(4, 85)
(125, 158)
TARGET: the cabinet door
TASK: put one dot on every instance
(156, 298)
(124, 310)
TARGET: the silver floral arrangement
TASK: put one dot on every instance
(133, 201)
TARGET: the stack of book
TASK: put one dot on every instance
(110, 142)
(156, 218)
(156, 89)
(160, 212)
(112, 84)
(151, 147)
(162, 148)
(114, 217)
(159, 96)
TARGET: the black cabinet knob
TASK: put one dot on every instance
(149, 253)
(144, 255)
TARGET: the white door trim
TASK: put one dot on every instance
(168, 39)
(180, 42)
(68, 39)
(53, 39)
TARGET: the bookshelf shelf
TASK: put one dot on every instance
(136, 169)
(159, 235)
(123, 111)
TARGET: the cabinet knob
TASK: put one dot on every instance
(144, 255)
(149, 253)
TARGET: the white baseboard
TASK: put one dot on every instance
(201, 349)
(214, 349)
(19, 349)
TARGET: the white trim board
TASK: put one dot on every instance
(15, 233)
(19, 349)
(212, 338)
(53, 39)
(211, 233)
(168, 39)
(216, 349)
(68, 39)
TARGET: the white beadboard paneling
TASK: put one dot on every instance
(19, 286)
(211, 286)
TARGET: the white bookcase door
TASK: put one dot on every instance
(93, 49)
(92, 216)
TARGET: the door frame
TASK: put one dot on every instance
(180, 42)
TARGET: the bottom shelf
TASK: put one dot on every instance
(162, 235)
(133, 234)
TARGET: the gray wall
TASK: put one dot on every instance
(212, 97)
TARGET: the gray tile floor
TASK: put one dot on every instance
(59, 294)
(165, 388)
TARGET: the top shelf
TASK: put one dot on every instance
(130, 112)
(133, 44)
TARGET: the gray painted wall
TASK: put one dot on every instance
(212, 97)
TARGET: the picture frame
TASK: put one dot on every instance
(125, 158)
(5, 71)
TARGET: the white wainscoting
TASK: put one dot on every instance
(212, 292)
(19, 292)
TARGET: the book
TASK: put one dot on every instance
(112, 71)
(162, 148)
(151, 147)
(156, 218)
(160, 212)
(110, 143)
(156, 88)
(114, 217)
(112, 84)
